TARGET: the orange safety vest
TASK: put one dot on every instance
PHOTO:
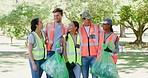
(112, 38)
(88, 45)
(50, 34)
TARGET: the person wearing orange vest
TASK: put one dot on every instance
(110, 38)
(54, 33)
(88, 43)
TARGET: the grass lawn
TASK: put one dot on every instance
(130, 62)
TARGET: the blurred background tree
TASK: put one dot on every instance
(135, 17)
(17, 22)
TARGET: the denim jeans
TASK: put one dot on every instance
(49, 54)
(38, 73)
(77, 71)
(86, 63)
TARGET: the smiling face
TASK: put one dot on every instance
(87, 22)
(57, 17)
(72, 27)
(40, 24)
(106, 27)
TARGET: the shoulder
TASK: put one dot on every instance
(81, 26)
(31, 38)
(49, 23)
(115, 34)
(116, 37)
(30, 35)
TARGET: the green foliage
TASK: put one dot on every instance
(16, 24)
(135, 16)
(73, 8)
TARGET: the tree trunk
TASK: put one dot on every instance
(16, 2)
(122, 31)
(138, 40)
(11, 40)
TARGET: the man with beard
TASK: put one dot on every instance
(54, 32)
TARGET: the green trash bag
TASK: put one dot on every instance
(55, 67)
(104, 66)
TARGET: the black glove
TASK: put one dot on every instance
(70, 68)
(72, 65)
(108, 50)
(67, 65)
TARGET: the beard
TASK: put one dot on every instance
(57, 20)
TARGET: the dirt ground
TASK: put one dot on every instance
(17, 66)
(14, 65)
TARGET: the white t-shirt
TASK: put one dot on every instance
(87, 29)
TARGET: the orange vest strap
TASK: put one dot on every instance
(50, 34)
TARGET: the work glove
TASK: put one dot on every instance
(108, 50)
(70, 69)
(70, 66)
(67, 65)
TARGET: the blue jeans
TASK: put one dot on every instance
(77, 71)
(49, 54)
(86, 62)
(38, 73)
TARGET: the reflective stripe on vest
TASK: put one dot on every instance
(93, 40)
(70, 50)
(39, 51)
(50, 34)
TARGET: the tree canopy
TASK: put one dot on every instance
(135, 16)
(16, 23)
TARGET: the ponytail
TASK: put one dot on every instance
(67, 35)
(111, 29)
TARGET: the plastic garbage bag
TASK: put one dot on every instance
(104, 66)
(55, 67)
(59, 47)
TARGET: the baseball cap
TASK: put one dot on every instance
(86, 15)
(107, 21)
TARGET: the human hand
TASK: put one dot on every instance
(34, 67)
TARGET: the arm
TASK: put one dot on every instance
(117, 45)
(65, 54)
(31, 41)
(31, 57)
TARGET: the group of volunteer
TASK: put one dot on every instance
(69, 51)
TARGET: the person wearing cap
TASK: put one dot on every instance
(110, 38)
(88, 43)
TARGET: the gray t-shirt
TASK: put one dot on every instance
(57, 35)
(31, 39)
